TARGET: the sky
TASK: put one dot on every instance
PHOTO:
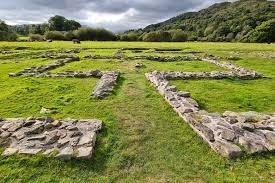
(115, 15)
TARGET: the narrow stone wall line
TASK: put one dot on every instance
(230, 66)
(36, 71)
(144, 57)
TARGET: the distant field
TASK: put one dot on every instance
(143, 139)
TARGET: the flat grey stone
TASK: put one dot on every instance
(9, 151)
(226, 149)
(36, 137)
(88, 139)
(84, 152)
(66, 153)
(228, 135)
(29, 151)
(248, 126)
(35, 129)
(63, 142)
(56, 123)
(5, 134)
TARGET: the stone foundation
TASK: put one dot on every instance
(103, 89)
(225, 133)
(69, 138)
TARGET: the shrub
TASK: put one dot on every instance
(55, 35)
(94, 34)
(8, 36)
(36, 37)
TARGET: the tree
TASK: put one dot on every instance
(60, 23)
(3, 26)
(71, 25)
(57, 23)
(263, 33)
(5, 33)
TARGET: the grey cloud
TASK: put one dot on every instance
(112, 14)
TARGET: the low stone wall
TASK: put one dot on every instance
(106, 84)
(37, 71)
(230, 66)
(53, 56)
(72, 74)
(44, 135)
(208, 75)
(144, 57)
(225, 133)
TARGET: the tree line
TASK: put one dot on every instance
(57, 28)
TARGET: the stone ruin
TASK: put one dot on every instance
(103, 89)
(230, 133)
(69, 138)
(106, 84)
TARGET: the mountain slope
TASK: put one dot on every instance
(223, 21)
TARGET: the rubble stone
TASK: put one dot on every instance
(69, 137)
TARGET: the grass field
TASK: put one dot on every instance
(143, 139)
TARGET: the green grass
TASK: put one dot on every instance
(143, 139)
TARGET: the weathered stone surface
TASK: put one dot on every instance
(253, 146)
(106, 84)
(36, 137)
(226, 149)
(29, 151)
(9, 151)
(248, 126)
(66, 153)
(88, 139)
(69, 137)
(228, 135)
(5, 134)
(35, 129)
(85, 152)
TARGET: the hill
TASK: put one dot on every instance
(244, 20)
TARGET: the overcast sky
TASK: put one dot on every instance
(116, 15)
